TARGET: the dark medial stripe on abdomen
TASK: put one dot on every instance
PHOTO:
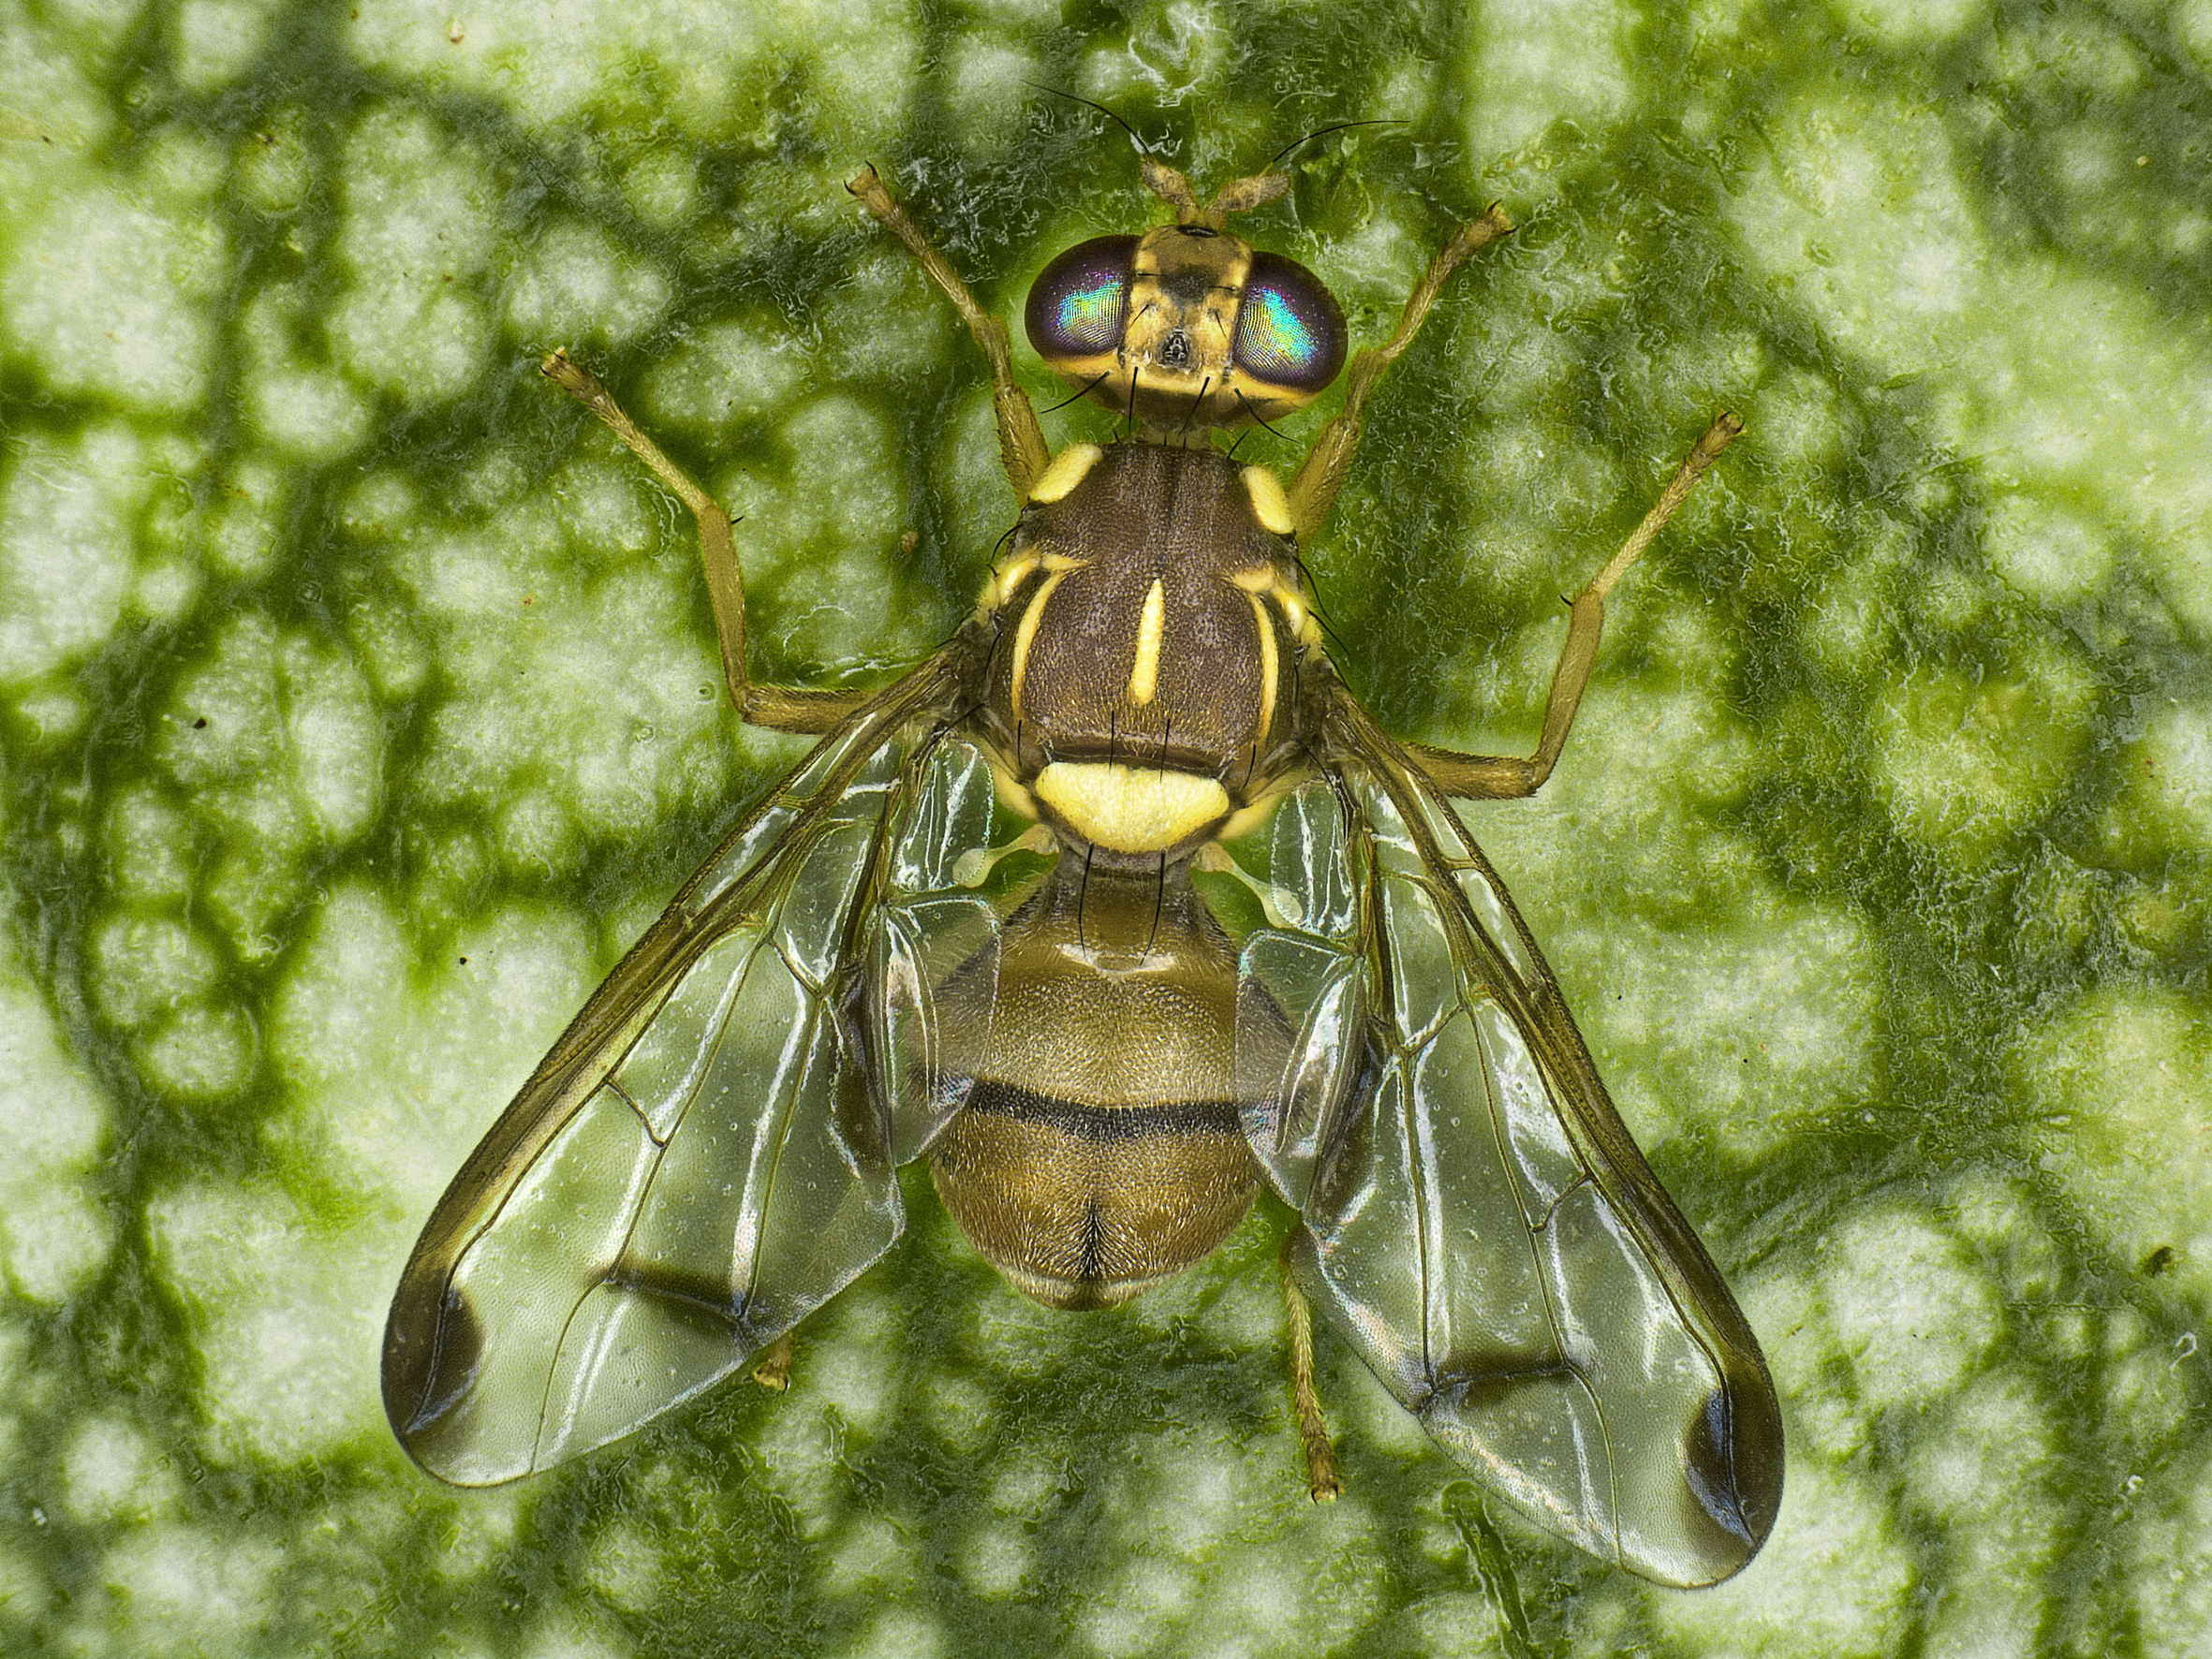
(1102, 1124)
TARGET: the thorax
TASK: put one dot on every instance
(1150, 629)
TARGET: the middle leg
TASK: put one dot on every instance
(780, 708)
(1510, 777)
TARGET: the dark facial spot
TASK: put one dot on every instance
(1186, 287)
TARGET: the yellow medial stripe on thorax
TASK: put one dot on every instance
(1151, 623)
(1129, 809)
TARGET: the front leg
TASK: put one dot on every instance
(780, 708)
(1508, 777)
(1021, 441)
(1322, 474)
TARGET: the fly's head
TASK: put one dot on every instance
(1188, 327)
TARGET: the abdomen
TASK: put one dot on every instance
(1100, 1149)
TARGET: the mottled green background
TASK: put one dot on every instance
(358, 702)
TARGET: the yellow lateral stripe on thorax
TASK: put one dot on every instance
(1299, 616)
(1267, 583)
(1151, 623)
(1003, 582)
(1267, 665)
(1026, 635)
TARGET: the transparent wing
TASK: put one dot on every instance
(700, 1161)
(1478, 1223)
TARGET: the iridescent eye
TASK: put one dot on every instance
(1075, 305)
(1291, 330)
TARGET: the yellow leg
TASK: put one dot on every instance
(774, 1368)
(1313, 1434)
(1508, 777)
(1021, 440)
(781, 707)
(1322, 474)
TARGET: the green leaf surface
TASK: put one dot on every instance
(358, 703)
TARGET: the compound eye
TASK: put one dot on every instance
(1076, 304)
(1289, 332)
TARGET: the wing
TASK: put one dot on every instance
(1478, 1223)
(702, 1160)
